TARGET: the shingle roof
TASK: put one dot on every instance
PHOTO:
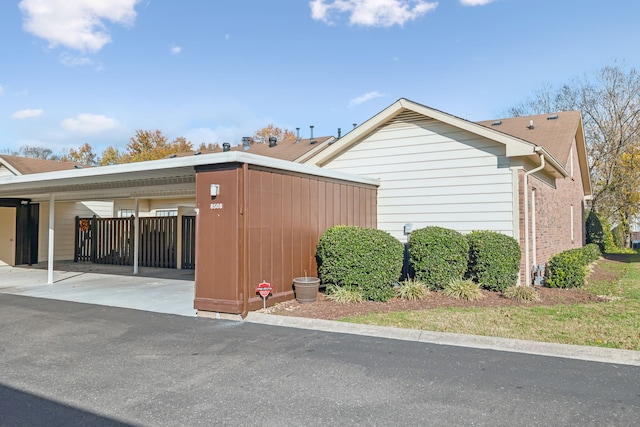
(27, 165)
(287, 150)
(554, 132)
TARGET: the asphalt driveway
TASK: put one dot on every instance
(65, 363)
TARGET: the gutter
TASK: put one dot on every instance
(527, 271)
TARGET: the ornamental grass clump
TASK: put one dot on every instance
(412, 289)
(344, 294)
(438, 255)
(494, 260)
(521, 293)
(465, 289)
(367, 259)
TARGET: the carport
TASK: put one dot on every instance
(257, 218)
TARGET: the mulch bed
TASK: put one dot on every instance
(326, 309)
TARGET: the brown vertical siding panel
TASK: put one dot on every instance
(218, 246)
(296, 216)
(254, 234)
(287, 235)
(350, 205)
(304, 226)
(344, 204)
(322, 206)
(314, 225)
(275, 229)
(335, 204)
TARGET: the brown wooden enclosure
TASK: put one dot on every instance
(264, 226)
(111, 241)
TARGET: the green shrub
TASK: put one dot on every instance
(618, 236)
(368, 259)
(494, 259)
(591, 252)
(438, 255)
(463, 289)
(567, 269)
(412, 289)
(344, 294)
(594, 230)
(521, 293)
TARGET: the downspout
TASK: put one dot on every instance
(527, 271)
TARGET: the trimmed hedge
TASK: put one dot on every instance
(438, 255)
(567, 269)
(366, 258)
(494, 260)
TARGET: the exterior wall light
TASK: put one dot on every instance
(214, 190)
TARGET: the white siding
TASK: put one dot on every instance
(65, 221)
(5, 172)
(148, 207)
(432, 173)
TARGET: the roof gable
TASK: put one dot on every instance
(514, 145)
(26, 165)
(557, 133)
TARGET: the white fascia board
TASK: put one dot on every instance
(514, 146)
(172, 167)
(10, 167)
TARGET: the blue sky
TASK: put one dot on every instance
(76, 71)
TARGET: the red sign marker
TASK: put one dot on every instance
(264, 289)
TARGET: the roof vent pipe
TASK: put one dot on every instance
(311, 140)
(226, 147)
(339, 133)
(530, 124)
(297, 135)
(272, 141)
(246, 143)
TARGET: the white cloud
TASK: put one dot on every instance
(364, 98)
(1, 90)
(75, 61)
(76, 24)
(371, 13)
(89, 123)
(475, 2)
(27, 114)
(175, 49)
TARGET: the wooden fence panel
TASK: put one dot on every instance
(111, 240)
(158, 240)
(188, 242)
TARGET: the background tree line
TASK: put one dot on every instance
(144, 145)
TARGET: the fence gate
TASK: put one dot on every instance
(111, 240)
(188, 242)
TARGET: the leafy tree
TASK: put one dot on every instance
(261, 136)
(146, 145)
(110, 156)
(84, 155)
(610, 103)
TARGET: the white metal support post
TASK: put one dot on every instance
(52, 202)
(136, 237)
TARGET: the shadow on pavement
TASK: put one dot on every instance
(18, 408)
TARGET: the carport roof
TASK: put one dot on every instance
(174, 177)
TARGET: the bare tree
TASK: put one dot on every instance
(610, 103)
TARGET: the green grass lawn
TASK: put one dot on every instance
(614, 324)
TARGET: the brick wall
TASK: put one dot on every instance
(553, 219)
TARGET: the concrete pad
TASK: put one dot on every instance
(158, 290)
